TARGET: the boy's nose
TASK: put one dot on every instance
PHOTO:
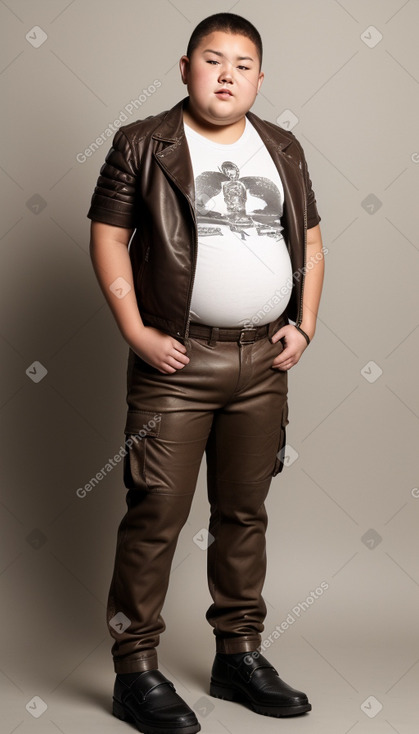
(225, 76)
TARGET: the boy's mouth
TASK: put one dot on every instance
(224, 92)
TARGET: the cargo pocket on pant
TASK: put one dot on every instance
(280, 457)
(140, 427)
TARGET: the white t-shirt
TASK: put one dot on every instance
(243, 272)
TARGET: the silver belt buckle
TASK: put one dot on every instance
(248, 331)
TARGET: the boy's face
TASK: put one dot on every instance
(223, 77)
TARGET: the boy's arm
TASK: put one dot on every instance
(111, 260)
(313, 280)
(295, 342)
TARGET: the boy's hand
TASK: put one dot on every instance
(294, 345)
(159, 349)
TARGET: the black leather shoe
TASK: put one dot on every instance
(250, 679)
(150, 701)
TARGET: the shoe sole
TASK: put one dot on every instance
(121, 713)
(232, 694)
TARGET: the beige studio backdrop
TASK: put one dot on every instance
(342, 585)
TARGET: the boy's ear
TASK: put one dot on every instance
(184, 68)
(260, 80)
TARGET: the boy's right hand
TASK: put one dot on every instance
(159, 349)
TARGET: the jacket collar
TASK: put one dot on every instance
(171, 128)
(270, 132)
(175, 158)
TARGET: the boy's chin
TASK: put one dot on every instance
(224, 115)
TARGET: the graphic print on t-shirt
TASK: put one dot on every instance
(223, 197)
(242, 259)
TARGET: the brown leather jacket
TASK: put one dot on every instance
(147, 183)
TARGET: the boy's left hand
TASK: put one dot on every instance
(294, 345)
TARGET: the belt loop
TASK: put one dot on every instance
(215, 333)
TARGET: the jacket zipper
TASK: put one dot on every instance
(195, 248)
(300, 312)
(300, 305)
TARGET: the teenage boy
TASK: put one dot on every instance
(218, 208)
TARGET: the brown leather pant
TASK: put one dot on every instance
(231, 404)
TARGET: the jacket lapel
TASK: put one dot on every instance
(174, 155)
(289, 169)
(174, 158)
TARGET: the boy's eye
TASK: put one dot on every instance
(215, 62)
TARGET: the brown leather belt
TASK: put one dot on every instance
(245, 335)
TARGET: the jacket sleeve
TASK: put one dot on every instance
(113, 200)
(313, 216)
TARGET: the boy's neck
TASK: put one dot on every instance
(225, 134)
